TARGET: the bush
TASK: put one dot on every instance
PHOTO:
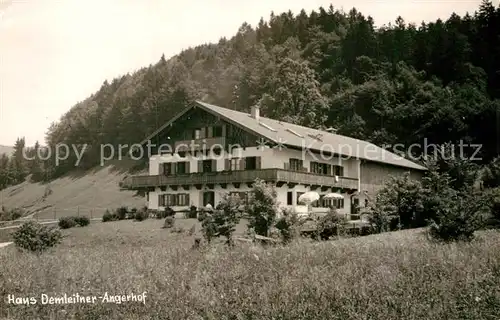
(121, 213)
(288, 225)
(82, 221)
(192, 212)
(35, 237)
(67, 222)
(209, 228)
(169, 212)
(331, 224)
(141, 215)
(12, 214)
(464, 216)
(495, 205)
(202, 215)
(263, 207)
(169, 222)
(108, 216)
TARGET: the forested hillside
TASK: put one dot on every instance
(401, 83)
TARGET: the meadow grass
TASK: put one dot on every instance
(399, 275)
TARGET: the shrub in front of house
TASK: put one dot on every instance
(35, 237)
(131, 213)
(121, 213)
(332, 224)
(223, 220)
(108, 216)
(168, 212)
(141, 215)
(193, 211)
(202, 215)
(67, 222)
(288, 225)
(263, 208)
(82, 221)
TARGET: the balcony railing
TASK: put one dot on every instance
(239, 176)
(199, 144)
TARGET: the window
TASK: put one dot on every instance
(161, 200)
(321, 168)
(252, 163)
(289, 198)
(207, 166)
(208, 198)
(338, 171)
(197, 134)
(182, 167)
(298, 196)
(217, 151)
(296, 164)
(183, 199)
(235, 164)
(167, 169)
(182, 154)
(169, 200)
(217, 131)
(338, 203)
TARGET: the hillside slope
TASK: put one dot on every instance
(6, 149)
(89, 194)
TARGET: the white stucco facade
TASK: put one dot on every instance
(269, 158)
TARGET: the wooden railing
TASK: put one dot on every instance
(241, 176)
(199, 144)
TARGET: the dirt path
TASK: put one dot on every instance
(4, 244)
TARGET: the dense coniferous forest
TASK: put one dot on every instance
(400, 83)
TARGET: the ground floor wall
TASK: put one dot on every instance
(286, 196)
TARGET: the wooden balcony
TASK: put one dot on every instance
(199, 144)
(239, 176)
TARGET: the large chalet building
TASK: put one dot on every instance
(206, 151)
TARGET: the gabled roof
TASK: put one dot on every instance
(301, 137)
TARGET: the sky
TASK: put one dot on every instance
(55, 53)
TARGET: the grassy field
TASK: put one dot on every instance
(398, 275)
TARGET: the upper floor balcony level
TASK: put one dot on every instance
(273, 175)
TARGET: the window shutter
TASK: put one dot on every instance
(242, 164)
(200, 165)
(160, 169)
(257, 162)
(227, 164)
(188, 166)
(210, 132)
(329, 169)
(214, 165)
(174, 171)
(187, 199)
(160, 200)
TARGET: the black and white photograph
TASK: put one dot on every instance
(263, 160)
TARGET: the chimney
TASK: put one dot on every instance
(255, 112)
